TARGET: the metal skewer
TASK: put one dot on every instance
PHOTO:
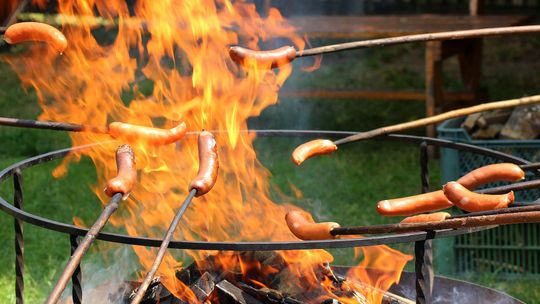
(50, 125)
(451, 223)
(128, 132)
(452, 35)
(163, 248)
(125, 162)
(535, 207)
(284, 55)
(439, 118)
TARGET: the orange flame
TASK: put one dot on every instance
(167, 61)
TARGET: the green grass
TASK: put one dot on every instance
(343, 187)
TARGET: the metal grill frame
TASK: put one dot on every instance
(423, 240)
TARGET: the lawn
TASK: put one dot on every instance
(353, 180)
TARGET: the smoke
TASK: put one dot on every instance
(104, 274)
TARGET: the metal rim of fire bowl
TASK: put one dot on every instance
(254, 246)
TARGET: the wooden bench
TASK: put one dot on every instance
(468, 51)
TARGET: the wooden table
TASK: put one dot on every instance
(469, 52)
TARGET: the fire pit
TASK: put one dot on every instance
(421, 285)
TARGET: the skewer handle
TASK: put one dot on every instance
(49, 125)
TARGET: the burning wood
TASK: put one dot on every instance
(212, 283)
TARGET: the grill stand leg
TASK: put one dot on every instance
(423, 250)
(423, 253)
(76, 278)
(19, 239)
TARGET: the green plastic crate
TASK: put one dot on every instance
(506, 250)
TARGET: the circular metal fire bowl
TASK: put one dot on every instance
(254, 246)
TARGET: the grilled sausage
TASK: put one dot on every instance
(410, 205)
(473, 202)
(273, 58)
(434, 201)
(127, 172)
(304, 228)
(423, 218)
(492, 173)
(208, 164)
(152, 136)
(35, 31)
(312, 148)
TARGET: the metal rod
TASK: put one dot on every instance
(512, 187)
(163, 248)
(453, 35)
(439, 118)
(76, 288)
(499, 211)
(423, 250)
(13, 16)
(66, 228)
(453, 223)
(19, 238)
(49, 125)
(76, 257)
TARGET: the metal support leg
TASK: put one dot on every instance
(423, 255)
(19, 239)
(76, 289)
(423, 250)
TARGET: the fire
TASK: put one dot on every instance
(162, 63)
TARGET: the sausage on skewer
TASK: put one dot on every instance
(474, 202)
(127, 173)
(208, 164)
(153, 136)
(273, 58)
(312, 148)
(503, 172)
(415, 204)
(306, 229)
(35, 31)
(118, 187)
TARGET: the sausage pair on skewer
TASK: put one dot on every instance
(35, 31)
(458, 194)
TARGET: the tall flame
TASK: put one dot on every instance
(163, 62)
